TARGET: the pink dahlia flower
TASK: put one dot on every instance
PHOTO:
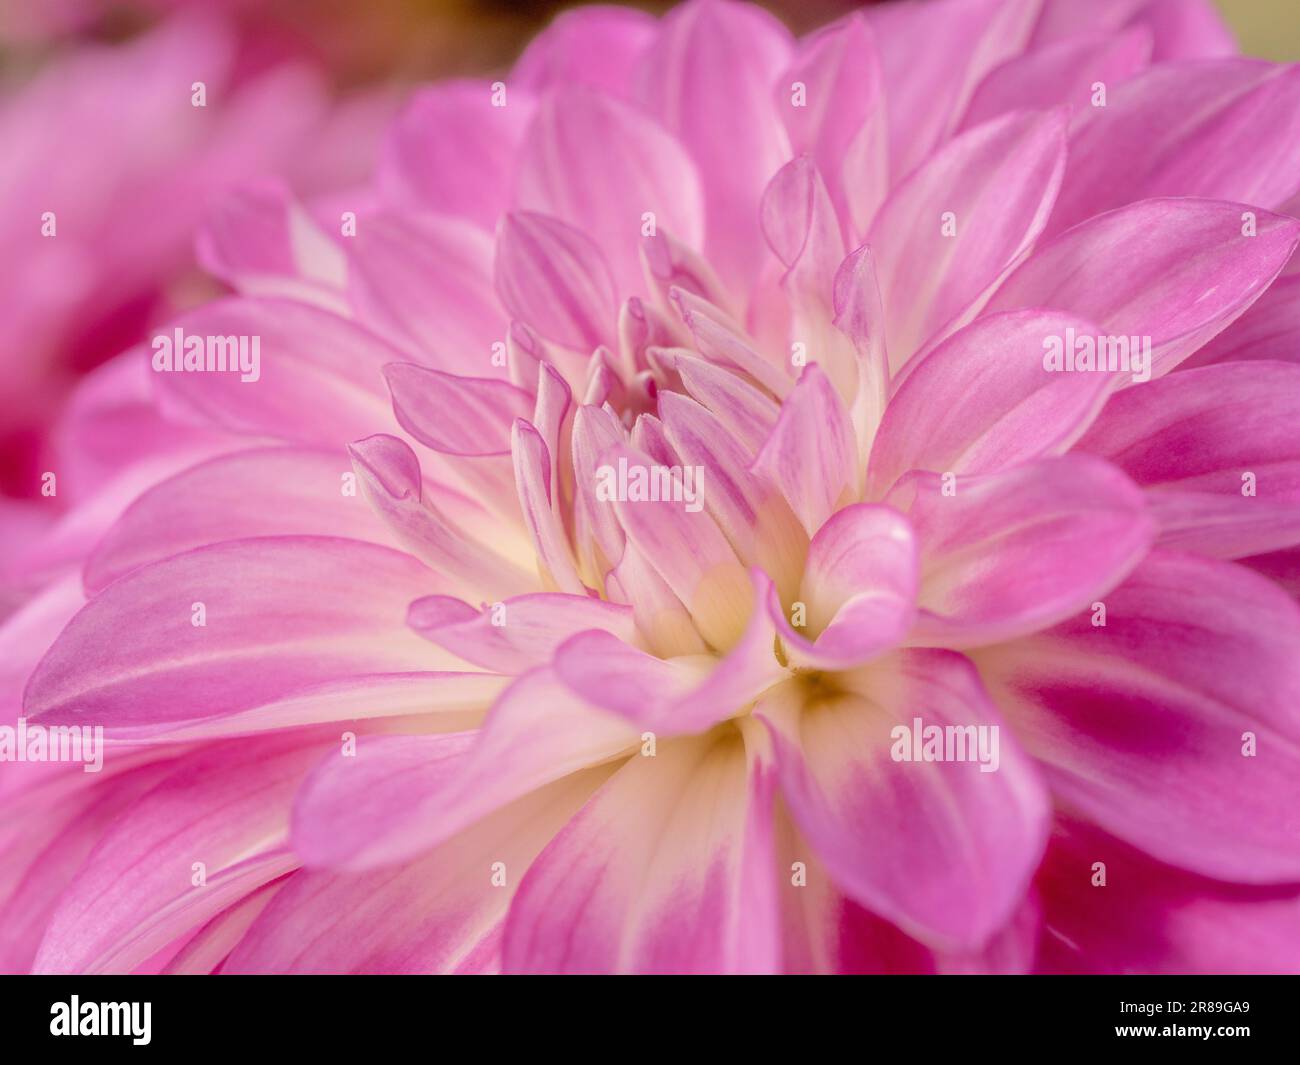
(721, 503)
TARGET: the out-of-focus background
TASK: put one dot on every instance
(96, 142)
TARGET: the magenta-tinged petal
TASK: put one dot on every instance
(205, 951)
(1219, 450)
(1150, 918)
(1172, 272)
(859, 589)
(1065, 73)
(1226, 130)
(597, 533)
(811, 456)
(439, 913)
(932, 57)
(212, 831)
(316, 379)
(596, 45)
(277, 614)
(1173, 724)
(261, 492)
(425, 282)
(452, 151)
(1270, 328)
(839, 116)
(984, 400)
(860, 316)
(389, 473)
(940, 246)
(661, 617)
(1182, 29)
(405, 795)
(1013, 552)
(454, 414)
(525, 632)
(708, 78)
(721, 342)
(943, 848)
(597, 163)
(691, 891)
(554, 278)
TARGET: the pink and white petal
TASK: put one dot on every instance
(261, 492)
(1151, 918)
(691, 890)
(596, 45)
(661, 618)
(943, 849)
(708, 78)
(206, 836)
(940, 244)
(840, 120)
(424, 281)
(524, 632)
(860, 316)
(984, 400)
(754, 517)
(440, 913)
(688, 551)
(826, 932)
(1010, 553)
(748, 413)
(1225, 130)
(598, 163)
(389, 473)
(403, 795)
(721, 341)
(859, 589)
(554, 278)
(452, 151)
(454, 414)
(1176, 271)
(1142, 724)
(205, 951)
(682, 695)
(811, 457)
(280, 614)
(932, 58)
(1064, 73)
(319, 376)
(532, 461)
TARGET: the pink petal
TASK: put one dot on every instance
(281, 613)
(859, 589)
(596, 45)
(597, 163)
(1062, 73)
(536, 501)
(525, 633)
(1149, 918)
(708, 78)
(983, 401)
(454, 414)
(1270, 328)
(226, 808)
(554, 278)
(1176, 271)
(1013, 552)
(404, 795)
(1223, 131)
(929, 276)
(1194, 437)
(1141, 724)
(690, 890)
(941, 848)
(261, 492)
(425, 282)
(451, 151)
(440, 913)
(811, 456)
